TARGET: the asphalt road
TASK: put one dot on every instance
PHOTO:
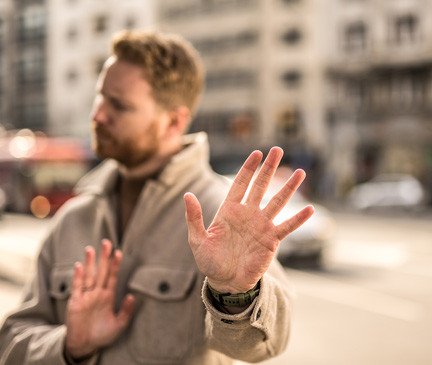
(370, 304)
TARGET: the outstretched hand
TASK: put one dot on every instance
(91, 321)
(238, 247)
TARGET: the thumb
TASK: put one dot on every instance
(194, 219)
(126, 311)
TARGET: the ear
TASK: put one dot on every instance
(179, 120)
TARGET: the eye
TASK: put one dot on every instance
(117, 105)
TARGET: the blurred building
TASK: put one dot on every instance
(51, 52)
(265, 76)
(23, 63)
(344, 86)
(380, 90)
(79, 43)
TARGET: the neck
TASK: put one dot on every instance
(153, 165)
(132, 180)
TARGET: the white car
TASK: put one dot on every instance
(388, 190)
(306, 246)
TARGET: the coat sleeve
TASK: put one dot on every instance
(262, 330)
(33, 334)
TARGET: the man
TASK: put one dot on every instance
(154, 299)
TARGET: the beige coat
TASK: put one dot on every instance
(174, 321)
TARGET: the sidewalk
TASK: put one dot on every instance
(20, 237)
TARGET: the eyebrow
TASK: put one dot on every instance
(116, 98)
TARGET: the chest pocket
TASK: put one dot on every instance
(168, 301)
(60, 288)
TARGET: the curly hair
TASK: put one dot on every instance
(170, 64)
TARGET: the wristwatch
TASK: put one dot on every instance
(235, 300)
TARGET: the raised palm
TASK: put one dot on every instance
(238, 247)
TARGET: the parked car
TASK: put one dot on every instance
(306, 246)
(389, 191)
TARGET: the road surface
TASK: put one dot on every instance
(371, 304)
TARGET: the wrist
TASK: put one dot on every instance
(229, 299)
(224, 288)
(74, 360)
(78, 356)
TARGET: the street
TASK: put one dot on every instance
(370, 304)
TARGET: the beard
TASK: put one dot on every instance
(128, 151)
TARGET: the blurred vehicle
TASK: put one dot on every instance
(306, 246)
(38, 173)
(2, 201)
(389, 191)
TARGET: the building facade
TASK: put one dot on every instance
(379, 112)
(51, 52)
(344, 86)
(79, 43)
(264, 65)
(23, 82)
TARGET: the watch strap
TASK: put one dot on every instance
(235, 300)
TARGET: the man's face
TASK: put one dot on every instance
(127, 124)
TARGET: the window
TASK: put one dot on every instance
(289, 121)
(241, 125)
(231, 42)
(408, 89)
(230, 78)
(31, 66)
(72, 33)
(31, 23)
(292, 78)
(290, 2)
(355, 38)
(184, 11)
(31, 114)
(71, 75)
(100, 24)
(356, 92)
(237, 124)
(406, 29)
(292, 36)
(130, 23)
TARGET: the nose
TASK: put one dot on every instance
(99, 110)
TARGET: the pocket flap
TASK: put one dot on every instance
(163, 283)
(60, 282)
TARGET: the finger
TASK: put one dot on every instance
(194, 219)
(262, 181)
(126, 311)
(243, 178)
(290, 225)
(114, 268)
(89, 267)
(77, 280)
(103, 264)
(279, 200)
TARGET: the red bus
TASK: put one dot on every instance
(38, 173)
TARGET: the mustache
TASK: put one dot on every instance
(102, 131)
